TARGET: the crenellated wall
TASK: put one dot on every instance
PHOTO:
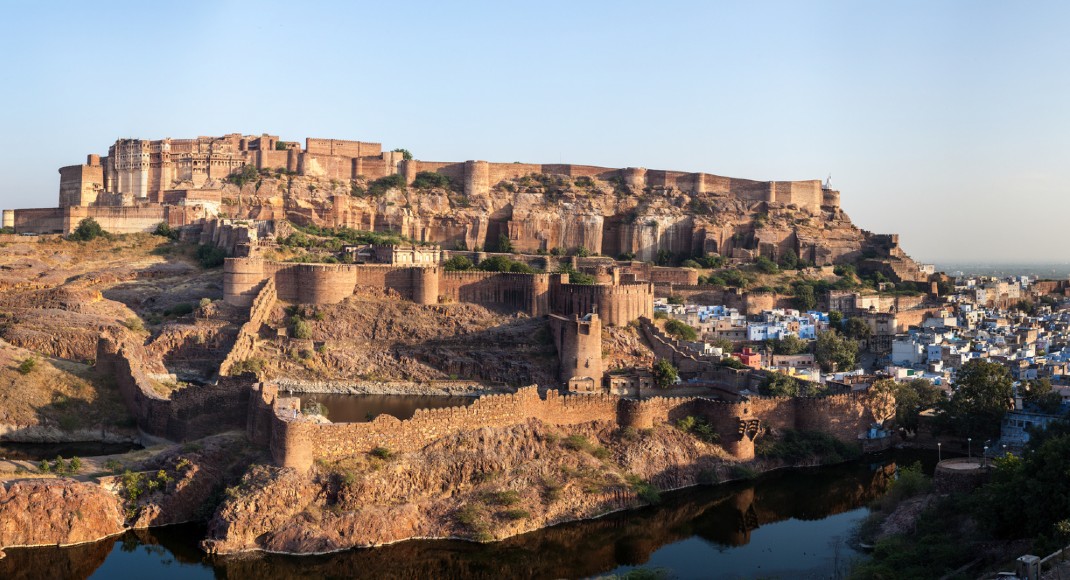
(259, 313)
(616, 305)
(535, 294)
(296, 441)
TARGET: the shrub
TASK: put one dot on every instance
(27, 365)
(504, 498)
(680, 329)
(661, 315)
(75, 465)
(405, 153)
(766, 266)
(301, 330)
(516, 514)
(166, 231)
(665, 373)
(247, 174)
(205, 302)
(577, 443)
(210, 256)
(430, 179)
(250, 365)
(383, 184)
(675, 299)
(699, 427)
(134, 323)
(382, 453)
(88, 229)
(457, 264)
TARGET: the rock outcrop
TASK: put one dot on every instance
(36, 512)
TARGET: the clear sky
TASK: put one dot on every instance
(947, 122)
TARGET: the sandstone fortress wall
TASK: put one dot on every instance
(296, 441)
(534, 294)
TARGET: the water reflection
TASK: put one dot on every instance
(361, 408)
(792, 524)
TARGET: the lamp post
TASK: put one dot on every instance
(939, 452)
(969, 448)
(985, 458)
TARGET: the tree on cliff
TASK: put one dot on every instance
(983, 394)
(665, 374)
(834, 352)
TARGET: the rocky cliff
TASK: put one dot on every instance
(544, 212)
(483, 485)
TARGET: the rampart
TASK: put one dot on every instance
(259, 313)
(190, 413)
(535, 294)
(296, 440)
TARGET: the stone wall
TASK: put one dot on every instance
(296, 441)
(615, 305)
(190, 413)
(259, 313)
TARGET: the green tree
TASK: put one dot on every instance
(681, 330)
(724, 344)
(982, 395)
(88, 229)
(1040, 394)
(457, 264)
(835, 319)
(504, 245)
(835, 352)
(911, 398)
(665, 373)
(766, 266)
(790, 344)
(405, 153)
(789, 260)
(779, 385)
(857, 329)
(1029, 496)
(804, 297)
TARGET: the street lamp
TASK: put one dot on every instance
(969, 449)
(939, 452)
(985, 459)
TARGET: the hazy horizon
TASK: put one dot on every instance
(943, 122)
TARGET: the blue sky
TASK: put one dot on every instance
(946, 122)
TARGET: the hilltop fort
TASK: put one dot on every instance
(647, 214)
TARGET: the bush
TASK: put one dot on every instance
(247, 174)
(457, 264)
(504, 245)
(210, 256)
(504, 264)
(681, 330)
(665, 373)
(380, 186)
(799, 445)
(660, 315)
(504, 498)
(516, 514)
(405, 153)
(27, 365)
(699, 427)
(430, 179)
(301, 330)
(134, 323)
(250, 365)
(578, 443)
(382, 453)
(766, 266)
(88, 229)
(166, 231)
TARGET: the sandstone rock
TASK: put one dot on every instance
(38, 512)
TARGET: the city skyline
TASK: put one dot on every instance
(940, 123)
